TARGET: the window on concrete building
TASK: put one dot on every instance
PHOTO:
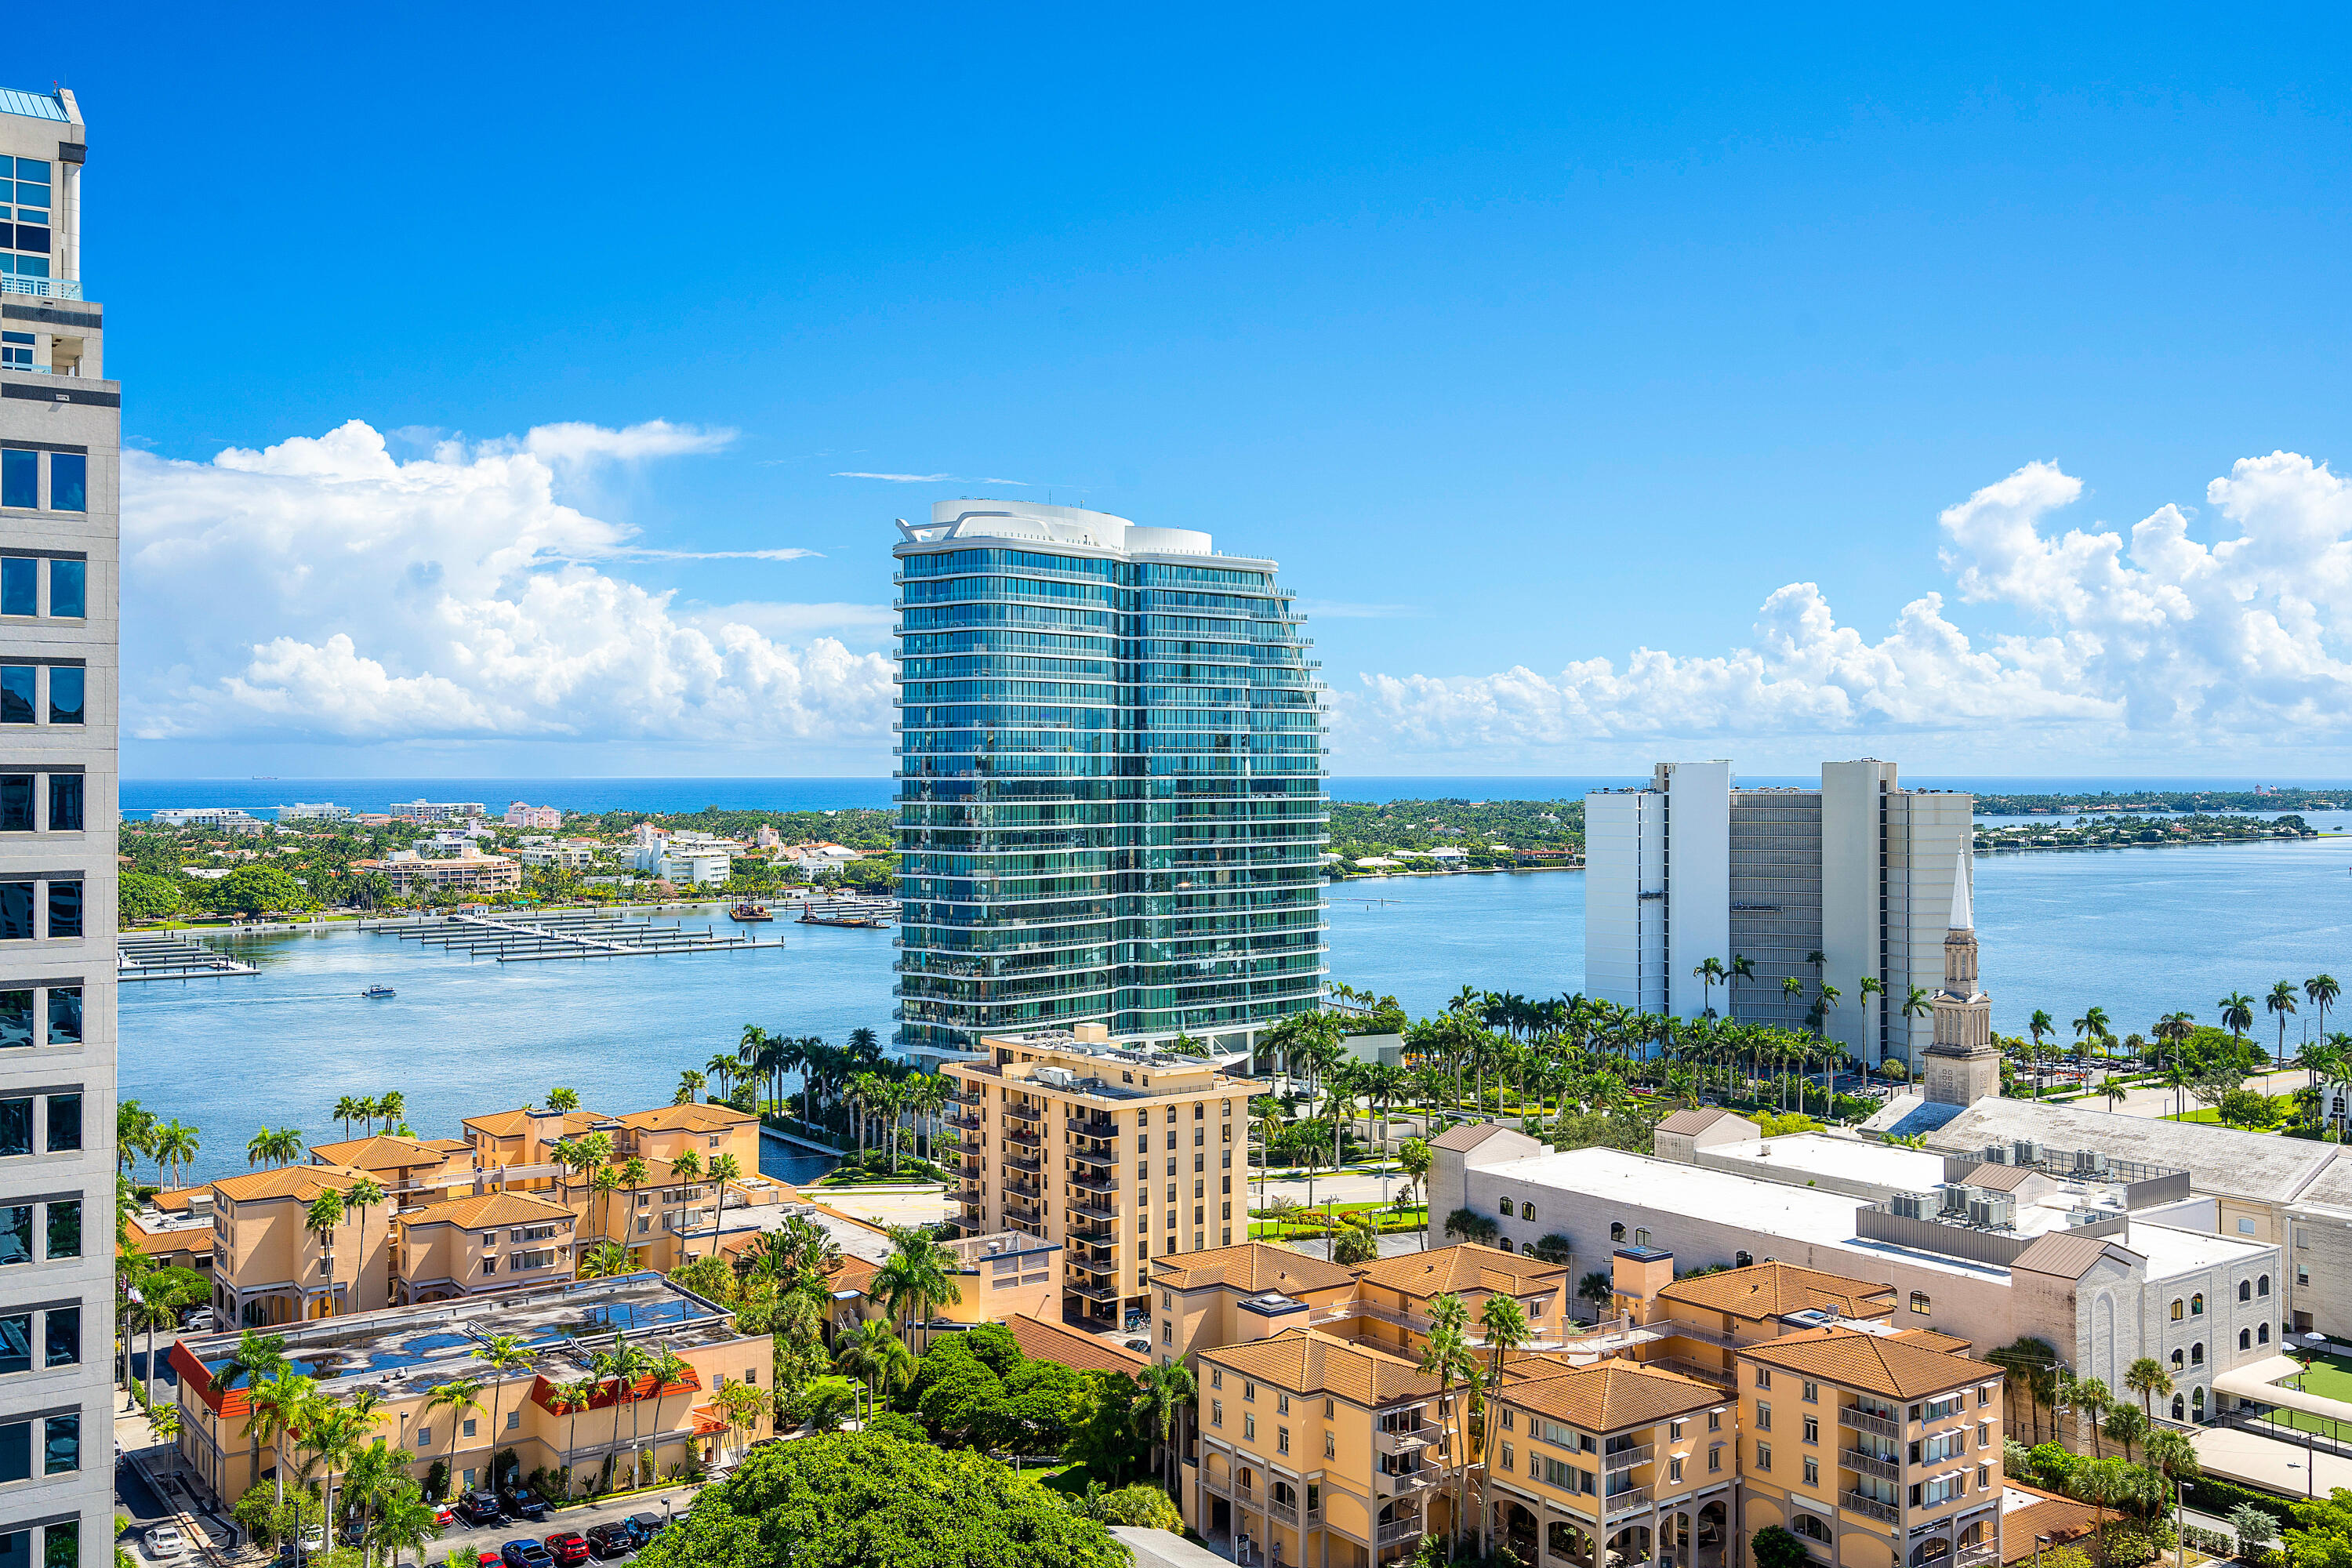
(68, 590)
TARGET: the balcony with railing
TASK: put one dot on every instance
(1026, 1114)
(1092, 1127)
(1864, 1463)
(1034, 1166)
(1402, 1483)
(1023, 1139)
(1626, 1501)
(1405, 1440)
(1098, 1266)
(1402, 1531)
(41, 288)
(1626, 1459)
(1285, 1512)
(1094, 1293)
(1861, 1420)
(1870, 1507)
(1105, 1158)
(1090, 1208)
(1104, 1184)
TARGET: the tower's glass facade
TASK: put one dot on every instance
(1111, 799)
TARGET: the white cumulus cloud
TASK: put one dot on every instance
(322, 590)
(2140, 646)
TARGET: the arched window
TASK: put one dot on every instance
(1504, 1242)
(1505, 1206)
(2262, 1286)
(2176, 1362)
(2197, 1305)
(2197, 1353)
(1813, 1529)
(1641, 1238)
(1919, 1301)
(2180, 1406)
(1616, 1231)
(2245, 1339)
(1526, 1209)
(2176, 1309)
(2262, 1333)
(1973, 1535)
(1743, 1259)
(2197, 1403)
(2245, 1289)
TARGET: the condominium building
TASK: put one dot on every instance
(551, 1409)
(422, 810)
(1120, 1155)
(1834, 886)
(410, 873)
(522, 815)
(1879, 1448)
(60, 431)
(1111, 802)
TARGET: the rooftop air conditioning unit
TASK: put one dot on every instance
(2028, 1151)
(1996, 1153)
(1911, 1206)
(2090, 1163)
(1992, 1211)
(1954, 1196)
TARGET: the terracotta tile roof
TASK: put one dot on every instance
(303, 1182)
(174, 1200)
(1950, 1345)
(514, 1124)
(1466, 1266)
(1305, 1361)
(704, 1118)
(2062, 1518)
(1249, 1268)
(1611, 1396)
(1042, 1340)
(1895, 1367)
(1769, 1290)
(1698, 1120)
(487, 1209)
(386, 1152)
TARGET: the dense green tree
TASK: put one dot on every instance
(1107, 1439)
(864, 1500)
(1776, 1548)
(256, 889)
(147, 897)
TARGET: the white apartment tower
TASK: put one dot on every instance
(60, 428)
(1825, 887)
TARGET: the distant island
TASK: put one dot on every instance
(2122, 830)
(2283, 798)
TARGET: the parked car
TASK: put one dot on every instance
(525, 1553)
(480, 1508)
(489, 1559)
(568, 1547)
(166, 1545)
(1140, 1347)
(199, 1322)
(523, 1503)
(647, 1525)
(444, 1515)
(616, 1540)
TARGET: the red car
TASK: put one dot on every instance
(568, 1547)
(489, 1560)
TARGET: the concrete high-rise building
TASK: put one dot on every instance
(60, 428)
(1833, 886)
(1111, 802)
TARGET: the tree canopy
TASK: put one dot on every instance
(866, 1500)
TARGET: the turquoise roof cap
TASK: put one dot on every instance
(33, 105)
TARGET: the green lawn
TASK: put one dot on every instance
(2330, 1377)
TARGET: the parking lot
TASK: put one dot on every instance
(458, 1537)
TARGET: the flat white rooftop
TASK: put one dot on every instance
(1817, 1155)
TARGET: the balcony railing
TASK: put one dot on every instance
(1106, 1159)
(1402, 1530)
(1410, 1440)
(1094, 1183)
(1864, 1463)
(41, 288)
(1626, 1501)
(1285, 1512)
(1092, 1127)
(1026, 1114)
(1401, 1483)
(1091, 1208)
(1870, 1507)
(1626, 1459)
(1861, 1420)
(1015, 1163)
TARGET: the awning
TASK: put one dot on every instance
(2264, 1383)
(708, 1420)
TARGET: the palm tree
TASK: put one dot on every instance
(618, 1366)
(2171, 1454)
(280, 1404)
(604, 1185)
(722, 1066)
(563, 1100)
(1792, 988)
(876, 1357)
(687, 1169)
(2321, 992)
(571, 1399)
(669, 1370)
(604, 1260)
(277, 1147)
(320, 1219)
(1445, 1355)
(2147, 1378)
(391, 1105)
(1165, 1390)
(348, 1109)
(632, 1176)
(362, 1195)
(502, 1353)
(172, 1144)
(2237, 1012)
(134, 1128)
(689, 1087)
(256, 1357)
(2280, 1004)
(2174, 1076)
(917, 1277)
(2126, 1424)
(1504, 1323)
(2093, 1400)
(1415, 1159)
(1599, 1289)
(1709, 973)
(2112, 1090)
(2172, 1030)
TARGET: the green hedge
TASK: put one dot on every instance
(2214, 1496)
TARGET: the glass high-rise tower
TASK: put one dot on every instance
(1111, 803)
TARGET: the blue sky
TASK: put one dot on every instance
(1524, 340)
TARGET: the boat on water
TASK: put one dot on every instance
(748, 912)
(378, 991)
(867, 922)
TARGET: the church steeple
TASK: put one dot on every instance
(1963, 1064)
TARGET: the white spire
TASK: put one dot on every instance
(1963, 915)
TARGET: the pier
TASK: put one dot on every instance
(172, 955)
(531, 939)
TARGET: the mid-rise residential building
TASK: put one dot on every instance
(215, 818)
(422, 810)
(60, 437)
(314, 811)
(1111, 803)
(676, 1411)
(1850, 882)
(1120, 1155)
(468, 871)
(520, 815)
(1879, 1448)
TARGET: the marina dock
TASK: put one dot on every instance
(844, 910)
(529, 939)
(172, 955)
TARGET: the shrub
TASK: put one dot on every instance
(2211, 1494)
(1143, 1506)
(436, 1480)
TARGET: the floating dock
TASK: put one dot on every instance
(530, 939)
(873, 913)
(172, 955)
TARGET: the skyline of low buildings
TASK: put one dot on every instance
(60, 437)
(1111, 803)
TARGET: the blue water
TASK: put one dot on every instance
(2138, 931)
